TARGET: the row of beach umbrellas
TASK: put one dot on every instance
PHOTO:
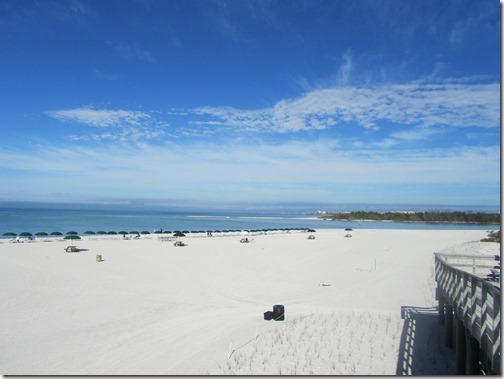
(70, 235)
(74, 235)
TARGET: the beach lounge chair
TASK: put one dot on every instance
(495, 274)
(71, 249)
(311, 237)
(179, 243)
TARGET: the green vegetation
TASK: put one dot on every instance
(493, 236)
(431, 216)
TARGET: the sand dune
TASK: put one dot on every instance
(151, 308)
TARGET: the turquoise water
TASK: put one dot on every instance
(51, 220)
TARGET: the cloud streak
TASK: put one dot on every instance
(125, 125)
(100, 117)
(322, 162)
(414, 104)
(402, 112)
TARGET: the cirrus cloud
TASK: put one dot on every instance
(416, 104)
(99, 117)
(127, 125)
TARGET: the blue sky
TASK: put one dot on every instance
(248, 102)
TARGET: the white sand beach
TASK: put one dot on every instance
(151, 308)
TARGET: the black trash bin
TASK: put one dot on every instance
(278, 312)
(268, 315)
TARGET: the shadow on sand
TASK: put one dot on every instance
(422, 350)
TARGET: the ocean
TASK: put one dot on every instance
(14, 220)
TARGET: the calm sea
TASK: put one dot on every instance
(52, 220)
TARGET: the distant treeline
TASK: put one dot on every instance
(432, 216)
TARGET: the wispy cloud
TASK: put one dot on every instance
(104, 75)
(131, 51)
(100, 117)
(416, 134)
(124, 125)
(346, 68)
(236, 170)
(414, 104)
(418, 111)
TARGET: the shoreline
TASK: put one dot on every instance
(413, 222)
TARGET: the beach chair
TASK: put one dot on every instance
(495, 274)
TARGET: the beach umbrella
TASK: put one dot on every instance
(178, 234)
(145, 232)
(348, 229)
(134, 232)
(112, 233)
(9, 234)
(158, 231)
(72, 237)
(89, 232)
(123, 232)
(167, 232)
(41, 234)
(101, 232)
(25, 234)
(72, 233)
(311, 230)
(56, 234)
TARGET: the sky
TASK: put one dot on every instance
(217, 102)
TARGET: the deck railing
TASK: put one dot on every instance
(473, 302)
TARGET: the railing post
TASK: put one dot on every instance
(460, 346)
(441, 307)
(449, 325)
(496, 339)
(472, 355)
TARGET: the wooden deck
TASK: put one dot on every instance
(469, 307)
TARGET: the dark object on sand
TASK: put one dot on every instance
(268, 315)
(278, 312)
